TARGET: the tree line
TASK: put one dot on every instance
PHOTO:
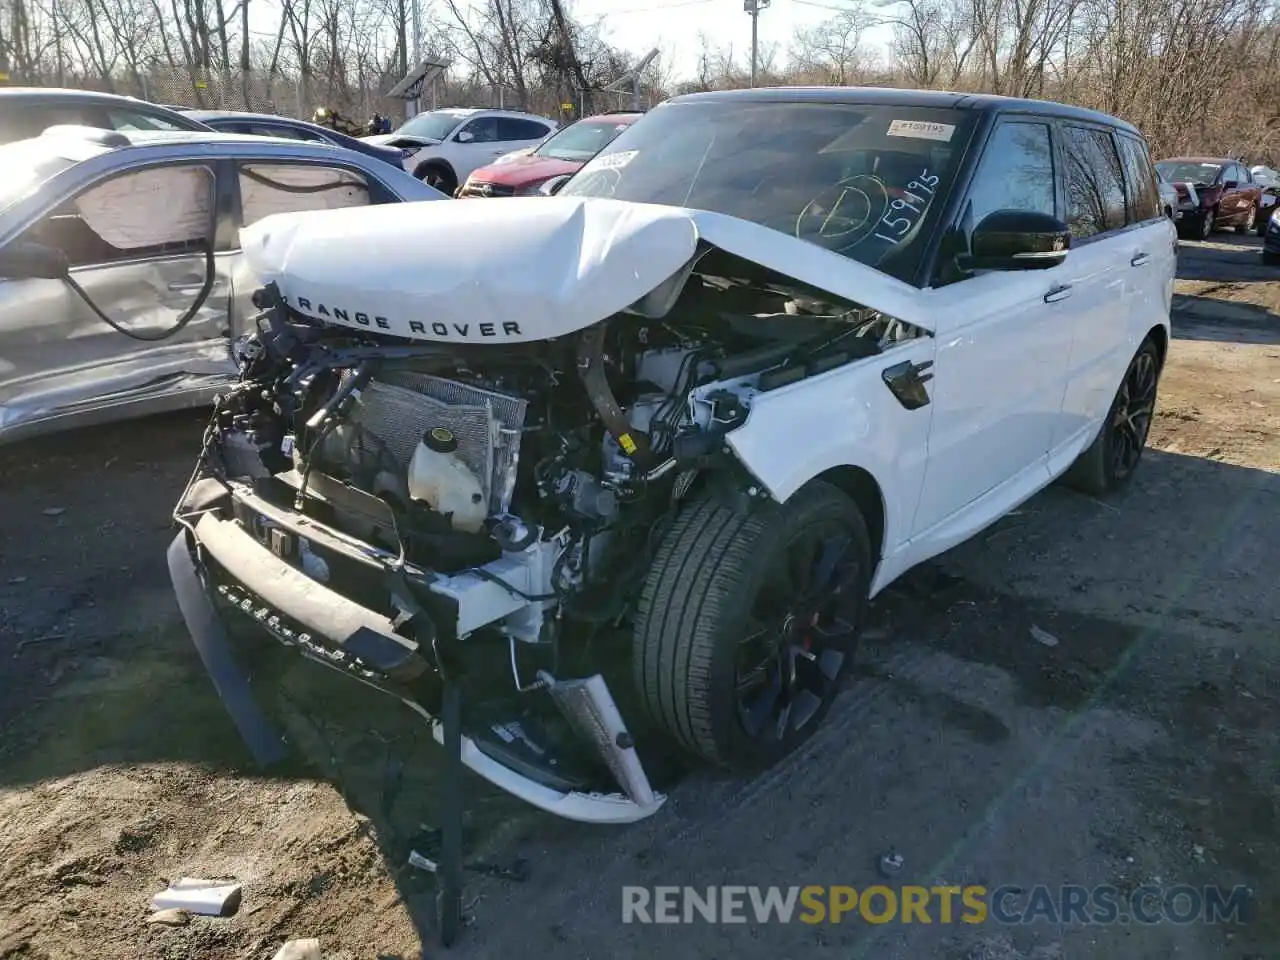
(1199, 76)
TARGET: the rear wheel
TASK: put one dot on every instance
(1111, 459)
(747, 623)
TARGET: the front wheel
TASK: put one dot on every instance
(1208, 221)
(748, 622)
(435, 175)
(1109, 462)
(1250, 221)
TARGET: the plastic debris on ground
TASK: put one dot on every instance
(210, 898)
(300, 950)
(1043, 636)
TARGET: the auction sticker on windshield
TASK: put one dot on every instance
(921, 130)
(612, 161)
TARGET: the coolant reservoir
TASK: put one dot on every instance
(444, 483)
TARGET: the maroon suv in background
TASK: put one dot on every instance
(1228, 196)
(564, 152)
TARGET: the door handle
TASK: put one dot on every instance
(195, 286)
(1060, 292)
(1139, 259)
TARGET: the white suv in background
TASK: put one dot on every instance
(442, 147)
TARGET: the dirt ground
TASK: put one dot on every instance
(1142, 747)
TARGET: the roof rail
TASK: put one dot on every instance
(106, 138)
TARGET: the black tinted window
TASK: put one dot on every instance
(482, 130)
(1016, 172)
(1144, 195)
(513, 128)
(1095, 184)
(866, 181)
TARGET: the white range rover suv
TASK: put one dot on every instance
(444, 147)
(621, 467)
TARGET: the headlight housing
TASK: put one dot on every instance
(532, 189)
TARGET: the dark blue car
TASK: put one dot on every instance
(267, 125)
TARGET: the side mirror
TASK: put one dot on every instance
(25, 260)
(1018, 240)
(1230, 184)
(553, 186)
(465, 136)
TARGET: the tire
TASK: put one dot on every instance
(439, 176)
(717, 574)
(1261, 228)
(1270, 258)
(1250, 222)
(1207, 224)
(1110, 461)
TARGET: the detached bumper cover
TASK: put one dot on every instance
(346, 626)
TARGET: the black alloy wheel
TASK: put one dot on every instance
(1131, 414)
(799, 634)
(747, 622)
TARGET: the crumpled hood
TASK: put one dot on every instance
(524, 269)
(383, 139)
(527, 168)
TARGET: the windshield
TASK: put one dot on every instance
(580, 141)
(1188, 171)
(866, 181)
(435, 125)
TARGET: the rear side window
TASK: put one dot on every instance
(1016, 172)
(267, 188)
(514, 128)
(1095, 183)
(1144, 195)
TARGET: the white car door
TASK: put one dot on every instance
(485, 138)
(1003, 340)
(1112, 259)
(139, 245)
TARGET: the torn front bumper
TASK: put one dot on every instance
(326, 627)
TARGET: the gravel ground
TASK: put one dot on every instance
(1140, 748)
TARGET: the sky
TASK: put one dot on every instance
(673, 25)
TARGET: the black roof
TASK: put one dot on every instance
(892, 96)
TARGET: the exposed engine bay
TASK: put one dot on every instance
(491, 510)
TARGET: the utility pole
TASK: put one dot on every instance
(412, 107)
(754, 7)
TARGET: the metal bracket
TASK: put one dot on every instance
(449, 876)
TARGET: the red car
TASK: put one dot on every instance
(1226, 192)
(564, 152)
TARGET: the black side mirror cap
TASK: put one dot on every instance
(25, 260)
(1018, 240)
